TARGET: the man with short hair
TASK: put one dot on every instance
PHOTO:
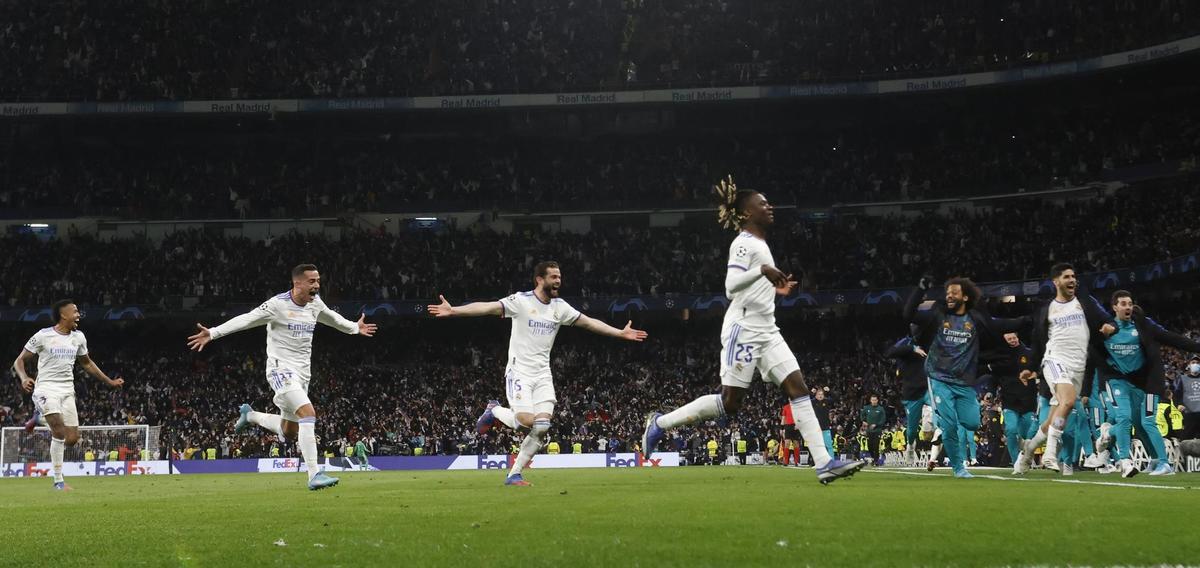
(1063, 330)
(57, 349)
(537, 316)
(291, 318)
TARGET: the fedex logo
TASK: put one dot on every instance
(288, 463)
(129, 468)
(484, 462)
(28, 470)
(611, 460)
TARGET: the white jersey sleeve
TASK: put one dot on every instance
(254, 318)
(334, 319)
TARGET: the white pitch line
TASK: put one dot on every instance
(1076, 481)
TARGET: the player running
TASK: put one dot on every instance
(291, 319)
(959, 329)
(537, 316)
(1131, 367)
(57, 349)
(914, 389)
(1062, 333)
(750, 340)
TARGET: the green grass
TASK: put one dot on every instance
(716, 516)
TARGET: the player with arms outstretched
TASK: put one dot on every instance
(749, 338)
(537, 316)
(291, 318)
(57, 349)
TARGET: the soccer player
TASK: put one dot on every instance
(291, 319)
(1062, 332)
(1018, 399)
(1131, 365)
(750, 340)
(57, 349)
(537, 316)
(914, 388)
(959, 329)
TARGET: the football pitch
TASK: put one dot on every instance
(692, 516)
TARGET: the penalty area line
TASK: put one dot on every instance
(1000, 478)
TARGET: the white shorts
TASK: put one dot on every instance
(49, 400)
(533, 396)
(291, 391)
(1057, 373)
(743, 351)
(927, 418)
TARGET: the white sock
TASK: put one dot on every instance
(505, 415)
(704, 408)
(1038, 439)
(308, 444)
(810, 429)
(530, 445)
(57, 447)
(1054, 436)
(271, 422)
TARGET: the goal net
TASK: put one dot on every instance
(96, 443)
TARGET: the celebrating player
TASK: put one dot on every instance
(750, 340)
(1131, 366)
(291, 318)
(57, 349)
(1062, 332)
(959, 329)
(537, 316)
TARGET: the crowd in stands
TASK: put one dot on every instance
(166, 173)
(1018, 239)
(219, 49)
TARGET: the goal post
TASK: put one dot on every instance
(96, 443)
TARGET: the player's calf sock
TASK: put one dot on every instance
(307, 440)
(1053, 438)
(1038, 439)
(506, 416)
(810, 430)
(57, 448)
(704, 408)
(271, 422)
(530, 445)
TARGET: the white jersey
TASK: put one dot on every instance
(535, 324)
(752, 307)
(290, 329)
(56, 356)
(1068, 338)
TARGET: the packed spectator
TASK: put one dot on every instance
(1018, 239)
(220, 49)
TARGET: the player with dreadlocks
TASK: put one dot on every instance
(749, 338)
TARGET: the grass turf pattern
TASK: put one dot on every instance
(692, 516)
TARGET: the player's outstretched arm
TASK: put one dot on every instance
(253, 318)
(92, 369)
(474, 309)
(336, 321)
(600, 328)
(19, 367)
